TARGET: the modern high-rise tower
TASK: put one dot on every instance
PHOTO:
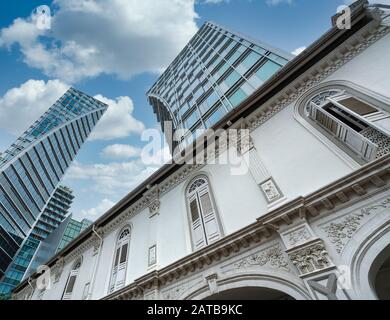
(212, 75)
(32, 167)
(68, 230)
(51, 218)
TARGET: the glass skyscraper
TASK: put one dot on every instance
(72, 230)
(68, 230)
(32, 167)
(212, 75)
(53, 215)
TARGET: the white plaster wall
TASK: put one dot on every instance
(100, 288)
(239, 199)
(173, 238)
(298, 161)
(369, 69)
(138, 246)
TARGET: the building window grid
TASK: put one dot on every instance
(42, 164)
(12, 209)
(186, 77)
(28, 167)
(53, 170)
(13, 192)
(63, 159)
(21, 172)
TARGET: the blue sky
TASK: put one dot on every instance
(115, 50)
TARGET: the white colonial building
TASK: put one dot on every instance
(310, 219)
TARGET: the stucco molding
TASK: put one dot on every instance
(310, 257)
(341, 231)
(273, 257)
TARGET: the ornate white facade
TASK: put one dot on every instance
(309, 220)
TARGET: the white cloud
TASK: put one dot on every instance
(21, 106)
(118, 121)
(114, 179)
(99, 210)
(93, 37)
(298, 51)
(120, 151)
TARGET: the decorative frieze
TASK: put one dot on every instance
(273, 257)
(340, 232)
(175, 293)
(310, 257)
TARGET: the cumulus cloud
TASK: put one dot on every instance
(92, 37)
(298, 51)
(120, 151)
(21, 106)
(114, 179)
(100, 209)
(118, 121)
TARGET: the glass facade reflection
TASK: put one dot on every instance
(213, 74)
(32, 167)
(68, 230)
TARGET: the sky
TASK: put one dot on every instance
(115, 50)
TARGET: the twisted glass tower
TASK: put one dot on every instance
(32, 167)
(213, 74)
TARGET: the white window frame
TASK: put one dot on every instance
(119, 267)
(364, 149)
(203, 220)
(73, 274)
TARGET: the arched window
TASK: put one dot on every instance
(357, 123)
(118, 275)
(204, 221)
(71, 280)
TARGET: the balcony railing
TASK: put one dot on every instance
(362, 146)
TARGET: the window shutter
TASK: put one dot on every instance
(70, 286)
(194, 210)
(205, 201)
(117, 257)
(211, 226)
(118, 275)
(205, 227)
(124, 253)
